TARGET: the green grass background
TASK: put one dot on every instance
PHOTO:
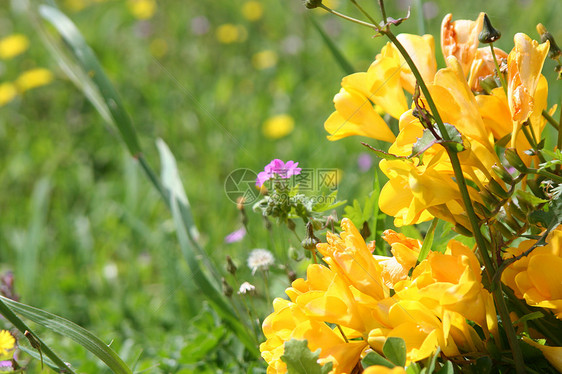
(85, 234)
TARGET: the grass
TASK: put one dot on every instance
(85, 234)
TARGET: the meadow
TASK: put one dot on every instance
(84, 232)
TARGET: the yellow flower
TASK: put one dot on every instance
(483, 66)
(290, 321)
(377, 369)
(252, 10)
(278, 126)
(537, 277)
(7, 344)
(229, 33)
(524, 65)
(349, 256)
(13, 45)
(422, 51)
(552, 354)
(405, 253)
(420, 328)
(460, 39)
(33, 78)
(451, 282)
(8, 92)
(142, 9)
(264, 59)
(355, 115)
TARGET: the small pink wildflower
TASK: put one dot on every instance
(278, 168)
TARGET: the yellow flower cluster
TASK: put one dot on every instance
(347, 308)
(422, 188)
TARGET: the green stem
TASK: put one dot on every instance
(348, 18)
(544, 173)
(551, 120)
(363, 11)
(500, 75)
(22, 327)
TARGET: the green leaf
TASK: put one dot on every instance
(384, 155)
(300, 360)
(529, 317)
(428, 241)
(530, 198)
(428, 140)
(336, 53)
(447, 368)
(186, 232)
(91, 68)
(373, 358)
(71, 330)
(550, 218)
(394, 349)
(433, 360)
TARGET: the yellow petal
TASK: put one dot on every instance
(356, 116)
(524, 65)
(460, 39)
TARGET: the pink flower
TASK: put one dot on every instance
(235, 236)
(278, 168)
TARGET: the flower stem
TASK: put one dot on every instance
(363, 11)
(348, 18)
(500, 75)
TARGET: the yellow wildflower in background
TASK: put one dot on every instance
(252, 10)
(8, 92)
(142, 9)
(229, 33)
(278, 126)
(13, 45)
(158, 47)
(7, 344)
(33, 78)
(264, 59)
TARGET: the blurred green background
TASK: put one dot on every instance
(85, 234)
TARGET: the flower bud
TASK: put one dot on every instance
(462, 230)
(230, 267)
(502, 173)
(497, 189)
(226, 289)
(488, 34)
(311, 4)
(503, 229)
(514, 160)
(310, 241)
(515, 211)
(554, 51)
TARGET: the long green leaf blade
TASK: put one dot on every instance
(69, 329)
(91, 66)
(181, 213)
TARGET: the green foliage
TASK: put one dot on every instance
(301, 360)
(373, 358)
(394, 349)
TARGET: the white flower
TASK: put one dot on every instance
(260, 259)
(245, 288)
